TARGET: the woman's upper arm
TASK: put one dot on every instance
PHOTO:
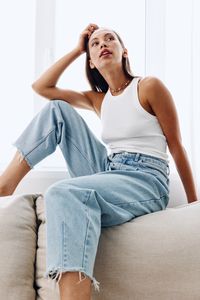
(82, 99)
(161, 101)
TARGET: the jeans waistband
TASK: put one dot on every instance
(139, 157)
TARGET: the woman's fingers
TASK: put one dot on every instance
(85, 35)
(91, 28)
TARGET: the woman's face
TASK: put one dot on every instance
(104, 39)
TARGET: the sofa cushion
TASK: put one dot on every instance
(46, 288)
(152, 257)
(18, 239)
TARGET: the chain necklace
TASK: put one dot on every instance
(121, 87)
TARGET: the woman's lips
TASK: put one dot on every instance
(106, 54)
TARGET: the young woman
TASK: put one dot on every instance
(139, 121)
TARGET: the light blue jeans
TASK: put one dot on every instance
(103, 190)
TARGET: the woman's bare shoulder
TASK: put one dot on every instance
(149, 82)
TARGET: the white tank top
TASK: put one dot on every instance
(127, 126)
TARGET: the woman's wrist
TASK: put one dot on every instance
(77, 51)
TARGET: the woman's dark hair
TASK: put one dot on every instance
(96, 80)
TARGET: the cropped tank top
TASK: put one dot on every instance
(127, 126)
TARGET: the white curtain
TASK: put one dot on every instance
(17, 32)
(182, 71)
(173, 54)
(195, 89)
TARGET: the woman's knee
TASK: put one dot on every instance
(53, 190)
(61, 104)
(60, 186)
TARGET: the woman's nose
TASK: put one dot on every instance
(103, 43)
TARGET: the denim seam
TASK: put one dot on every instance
(155, 167)
(122, 203)
(91, 164)
(140, 164)
(86, 197)
(43, 139)
(23, 156)
(72, 141)
(64, 240)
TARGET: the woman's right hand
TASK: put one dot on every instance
(84, 37)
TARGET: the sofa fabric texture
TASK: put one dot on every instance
(18, 241)
(152, 257)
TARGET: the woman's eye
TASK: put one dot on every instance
(110, 38)
(97, 42)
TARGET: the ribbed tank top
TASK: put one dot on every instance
(127, 126)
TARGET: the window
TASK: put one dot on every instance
(17, 31)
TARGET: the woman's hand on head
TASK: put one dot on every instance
(84, 37)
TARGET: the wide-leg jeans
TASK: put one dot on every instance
(103, 189)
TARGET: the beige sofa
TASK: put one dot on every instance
(152, 257)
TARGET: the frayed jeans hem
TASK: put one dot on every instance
(56, 275)
(23, 156)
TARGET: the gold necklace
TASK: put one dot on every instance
(120, 88)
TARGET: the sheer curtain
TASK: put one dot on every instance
(182, 71)
(195, 94)
(173, 54)
(17, 31)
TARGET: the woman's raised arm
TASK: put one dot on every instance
(45, 85)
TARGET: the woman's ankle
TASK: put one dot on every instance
(5, 191)
(13, 174)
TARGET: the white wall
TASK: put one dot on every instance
(17, 32)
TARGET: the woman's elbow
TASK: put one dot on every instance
(35, 87)
(176, 149)
(44, 92)
(38, 89)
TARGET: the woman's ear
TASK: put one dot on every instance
(125, 52)
(91, 64)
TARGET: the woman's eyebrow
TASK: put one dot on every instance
(104, 36)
